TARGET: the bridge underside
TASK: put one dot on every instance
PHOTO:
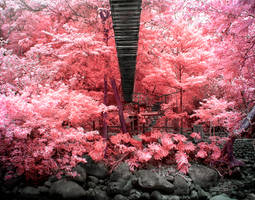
(126, 22)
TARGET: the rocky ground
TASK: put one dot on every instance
(94, 183)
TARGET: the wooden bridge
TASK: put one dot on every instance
(126, 23)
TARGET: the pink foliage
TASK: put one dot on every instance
(53, 59)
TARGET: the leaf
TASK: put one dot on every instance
(143, 155)
(179, 138)
(167, 142)
(201, 154)
(182, 162)
(195, 135)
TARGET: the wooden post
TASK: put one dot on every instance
(93, 125)
(166, 120)
(105, 14)
(105, 132)
(120, 107)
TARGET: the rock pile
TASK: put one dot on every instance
(94, 183)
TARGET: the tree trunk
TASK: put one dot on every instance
(181, 110)
(181, 100)
(105, 132)
(120, 107)
(227, 151)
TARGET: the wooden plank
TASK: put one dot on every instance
(126, 24)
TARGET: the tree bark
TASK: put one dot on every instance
(227, 151)
(120, 107)
(105, 132)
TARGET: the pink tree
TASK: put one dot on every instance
(173, 58)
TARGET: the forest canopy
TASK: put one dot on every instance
(56, 58)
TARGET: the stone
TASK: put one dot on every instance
(120, 197)
(121, 172)
(173, 197)
(222, 197)
(201, 193)
(181, 186)
(43, 189)
(98, 170)
(194, 195)
(156, 195)
(122, 186)
(145, 196)
(94, 179)
(250, 196)
(148, 179)
(121, 180)
(67, 190)
(81, 174)
(91, 184)
(203, 176)
(29, 192)
(134, 195)
(100, 195)
(47, 183)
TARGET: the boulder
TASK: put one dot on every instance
(121, 180)
(156, 195)
(148, 179)
(122, 186)
(100, 195)
(121, 172)
(120, 197)
(67, 190)
(30, 192)
(203, 176)
(98, 170)
(43, 189)
(134, 195)
(81, 174)
(222, 197)
(145, 196)
(250, 196)
(181, 186)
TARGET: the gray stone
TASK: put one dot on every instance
(81, 174)
(100, 195)
(122, 186)
(194, 195)
(181, 186)
(156, 195)
(148, 179)
(30, 192)
(173, 197)
(120, 197)
(91, 184)
(47, 183)
(145, 196)
(201, 193)
(134, 195)
(94, 179)
(43, 189)
(121, 172)
(222, 197)
(121, 180)
(98, 170)
(67, 190)
(250, 196)
(203, 176)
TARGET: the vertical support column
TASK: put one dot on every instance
(120, 107)
(105, 131)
